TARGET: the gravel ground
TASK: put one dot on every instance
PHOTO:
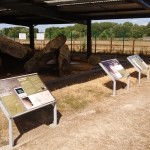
(116, 123)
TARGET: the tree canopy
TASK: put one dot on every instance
(104, 30)
(13, 32)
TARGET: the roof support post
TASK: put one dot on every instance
(89, 43)
(31, 31)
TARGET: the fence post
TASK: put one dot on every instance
(133, 46)
(123, 46)
(71, 40)
(14, 37)
(73, 44)
(111, 45)
(95, 41)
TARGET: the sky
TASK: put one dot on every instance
(139, 21)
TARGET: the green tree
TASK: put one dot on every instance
(147, 33)
(98, 28)
(76, 34)
(51, 33)
(80, 28)
(126, 27)
(117, 29)
(5, 31)
(14, 32)
(137, 31)
(104, 35)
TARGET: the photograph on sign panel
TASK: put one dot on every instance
(20, 92)
(112, 67)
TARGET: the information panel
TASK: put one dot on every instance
(137, 62)
(40, 36)
(22, 36)
(23, 93)
(113, 68)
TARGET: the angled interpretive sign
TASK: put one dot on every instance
(115, 71)
(23, 94)
(137, 62)
(139, 65)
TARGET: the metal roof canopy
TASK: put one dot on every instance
(34, 12)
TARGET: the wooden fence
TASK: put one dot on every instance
(103, 46)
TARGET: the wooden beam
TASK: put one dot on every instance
(40, 10)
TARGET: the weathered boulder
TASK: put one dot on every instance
(64, 60)
(94, 59)
(55, 43)
(13, 49)
(49, 52)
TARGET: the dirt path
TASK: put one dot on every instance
(116, 123)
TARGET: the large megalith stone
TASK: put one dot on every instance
(47, 53)
(14, 49)
(94, 59)
(64, 60)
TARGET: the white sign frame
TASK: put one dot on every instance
(22, 36)
(118, 66)
(137, 67)
(40, 36)
(11, 118)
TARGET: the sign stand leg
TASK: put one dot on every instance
(55, 114)
(148, 72)
(139, 77)
(11, 142)
(128, 83)
(114, 88)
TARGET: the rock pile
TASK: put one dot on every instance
(55, 49)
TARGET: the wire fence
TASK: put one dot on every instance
(123, 46)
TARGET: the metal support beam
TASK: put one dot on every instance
(39, 10)
(89, 44)
(144, 3)
(31, 31)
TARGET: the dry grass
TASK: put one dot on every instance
(74, 98)
(78, 96)
(3, 129)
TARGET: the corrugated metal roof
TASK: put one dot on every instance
(28, 12)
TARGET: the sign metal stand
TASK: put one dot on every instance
(11, 118)
(106, 65)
